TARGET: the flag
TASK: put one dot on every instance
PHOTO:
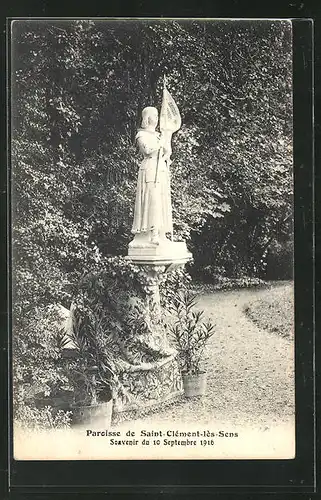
(170, 118)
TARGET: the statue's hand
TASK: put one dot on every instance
(167, 158)
(162, 141)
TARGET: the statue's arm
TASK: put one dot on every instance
(165, 144)
(148, 147)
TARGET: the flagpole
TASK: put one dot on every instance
(160, 149)
(164, 97)
(166, 132)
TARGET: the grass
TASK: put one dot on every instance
(227, 284)
(274, 311)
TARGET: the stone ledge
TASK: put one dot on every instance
(164, 254)
(161, 261)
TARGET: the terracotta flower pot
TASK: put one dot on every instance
(94, 414)
(194, 385)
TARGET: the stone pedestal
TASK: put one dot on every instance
(141, 251)
(157, 380)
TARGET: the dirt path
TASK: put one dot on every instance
(250, 371)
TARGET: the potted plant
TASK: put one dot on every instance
(92, 370)
(190, 333)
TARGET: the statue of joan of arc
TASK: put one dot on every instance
(153, 209)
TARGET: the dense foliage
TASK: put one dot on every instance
(78, 91)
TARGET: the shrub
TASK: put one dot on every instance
(172, 283)
(108, 310)
(37, 371)
(32, 418)
(189, 332)
(280, 261)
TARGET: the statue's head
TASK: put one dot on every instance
(149, 117)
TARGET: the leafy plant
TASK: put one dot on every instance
(93, 372)
(172, 283)
(99, 324)
(38, 373)
(32, 418)
(190, 332)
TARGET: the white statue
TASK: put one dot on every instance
(153, 210)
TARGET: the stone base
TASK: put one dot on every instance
(158, 380)
(167, 252)
(148, 388)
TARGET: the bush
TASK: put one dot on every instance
(37, 371)
(32, 418)
(280, 261)
(215, 278)
(173, 282)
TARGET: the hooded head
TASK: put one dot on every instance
(149, 117)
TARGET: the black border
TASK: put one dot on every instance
(296, 473)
